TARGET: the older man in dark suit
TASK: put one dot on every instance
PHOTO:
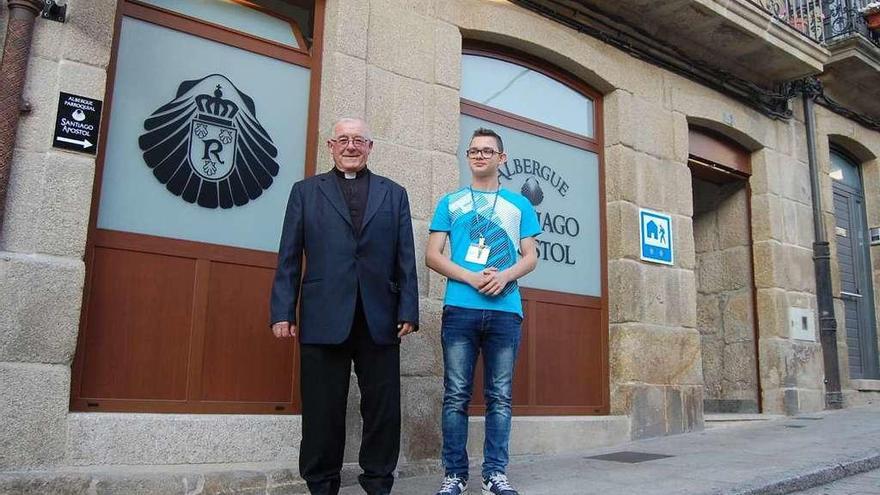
(358, 297)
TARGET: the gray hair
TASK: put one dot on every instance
(351, 120)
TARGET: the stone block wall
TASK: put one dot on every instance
(397, 65)
(792, 374)
(655, 359)
(43, 238)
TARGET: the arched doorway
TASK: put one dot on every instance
(854, 266)
(551, 126)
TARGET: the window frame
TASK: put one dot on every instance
(834, 149)
(134, 10)
(526, 124)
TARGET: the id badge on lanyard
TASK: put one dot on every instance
(478, 253)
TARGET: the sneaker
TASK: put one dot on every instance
(497, 484)
(453, 485)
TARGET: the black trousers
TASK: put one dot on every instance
(325, 372)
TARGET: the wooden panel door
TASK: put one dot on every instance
(855, 283)
(248, 364)
(174, 326)
(136, 318)
(562, 363)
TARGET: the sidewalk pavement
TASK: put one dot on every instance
(773, 457)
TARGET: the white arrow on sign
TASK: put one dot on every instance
(85, 143)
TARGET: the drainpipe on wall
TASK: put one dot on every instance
(822, 260)
(13, 70)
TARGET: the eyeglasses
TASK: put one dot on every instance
(356, 141)
(482, 152)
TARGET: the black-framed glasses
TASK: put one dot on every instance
(481, 152)
(356, 141)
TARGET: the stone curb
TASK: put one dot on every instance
(810, 478)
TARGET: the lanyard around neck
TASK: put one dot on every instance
(491, 212)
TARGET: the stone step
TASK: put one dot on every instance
(537, 435)
(175, 440)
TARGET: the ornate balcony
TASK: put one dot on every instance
(743, 47)
(852, 74)
(806, 16)
(740, 38)
(844, 19)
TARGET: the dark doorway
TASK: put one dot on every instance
(726, 316)
(725, 310)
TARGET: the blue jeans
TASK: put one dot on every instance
(465, 334)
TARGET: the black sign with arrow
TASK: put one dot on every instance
(77, 123)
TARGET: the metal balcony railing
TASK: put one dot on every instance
(807, 16)
(843, 18)
(824, 21)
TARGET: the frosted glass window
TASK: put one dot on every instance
(235, 15)
(525, 92)
(205, 140)
(562, 183)
(844, 170)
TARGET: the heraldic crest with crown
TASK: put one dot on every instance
(207, 146)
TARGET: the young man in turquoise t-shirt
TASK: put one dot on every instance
(491, 234)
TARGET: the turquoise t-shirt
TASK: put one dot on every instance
(503, 221)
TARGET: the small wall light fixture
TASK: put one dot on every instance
(55, 10)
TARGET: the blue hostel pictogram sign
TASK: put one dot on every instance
(656, 237)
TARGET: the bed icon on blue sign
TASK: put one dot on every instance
(656, 237)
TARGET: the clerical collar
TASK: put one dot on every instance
(351, 175)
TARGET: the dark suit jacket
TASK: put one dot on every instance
(381, 263)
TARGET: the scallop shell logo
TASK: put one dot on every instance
(532, 191)
(207, 146)
(79, 115)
